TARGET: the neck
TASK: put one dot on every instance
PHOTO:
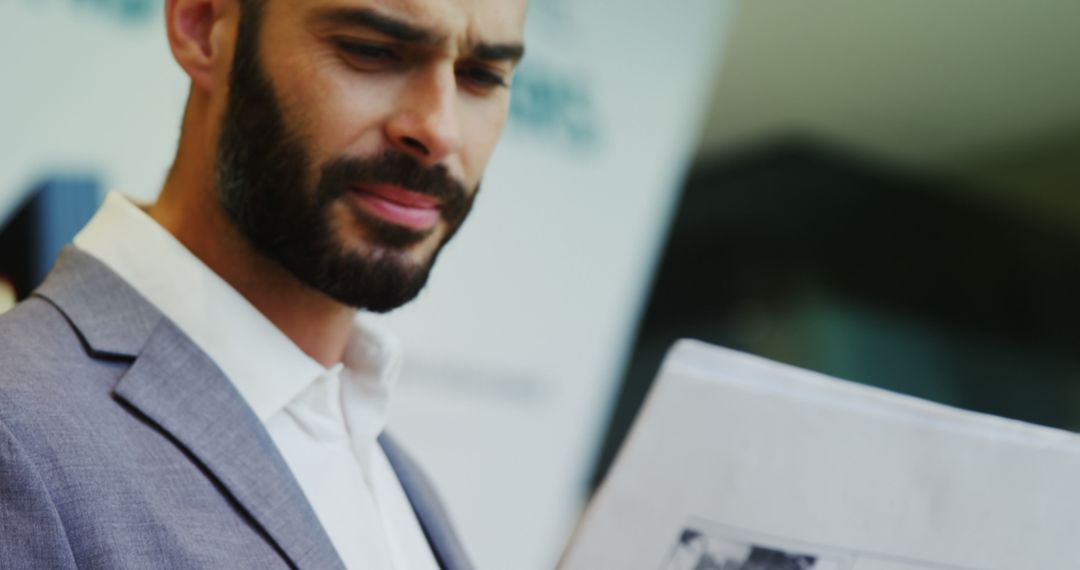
(188, 208)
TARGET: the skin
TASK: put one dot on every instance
(347, 89)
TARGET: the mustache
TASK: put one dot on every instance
(394, 168)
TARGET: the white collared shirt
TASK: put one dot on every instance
(324, 421)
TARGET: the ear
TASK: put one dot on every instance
(196, 37)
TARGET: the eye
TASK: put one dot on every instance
(481, 77)
(369, 53)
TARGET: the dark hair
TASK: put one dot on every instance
(251, 8)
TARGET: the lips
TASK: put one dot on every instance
(399, 206)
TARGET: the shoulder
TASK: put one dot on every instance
(32, 335)
(30, 332)
(45, 367)
(34, 535)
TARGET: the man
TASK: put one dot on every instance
(190, 387)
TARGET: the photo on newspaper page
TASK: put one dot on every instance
(740, 463)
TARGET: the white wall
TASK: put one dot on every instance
(515, 348)
(87, 87)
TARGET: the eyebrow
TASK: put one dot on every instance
(498, 52)
(409, 33)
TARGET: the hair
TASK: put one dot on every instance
(252, 9)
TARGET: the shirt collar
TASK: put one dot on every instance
(265, 366)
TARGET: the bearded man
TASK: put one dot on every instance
(192, 386)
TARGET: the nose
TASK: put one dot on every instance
(425, 122)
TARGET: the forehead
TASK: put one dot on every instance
(456, 21)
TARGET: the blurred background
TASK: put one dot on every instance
(886, 192)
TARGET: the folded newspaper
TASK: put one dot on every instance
(740, 463)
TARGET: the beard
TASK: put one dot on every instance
(284, 207)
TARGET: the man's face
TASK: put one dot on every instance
(356, 133)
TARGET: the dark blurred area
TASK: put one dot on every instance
(888, 194)
(44, 222)
(820, 258)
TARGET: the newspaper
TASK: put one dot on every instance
(739, 463)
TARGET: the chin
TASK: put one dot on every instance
(409, 255)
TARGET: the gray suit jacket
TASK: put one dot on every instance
(122, 445)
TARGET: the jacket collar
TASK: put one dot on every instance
(111, 317)
(425, 502)
(183, 393)
(178, 387)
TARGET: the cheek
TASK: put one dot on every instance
(335, 110)
(359, 108)
(481, 132)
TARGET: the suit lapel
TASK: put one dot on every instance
(429, 511)
(112, 319)
(177, 387)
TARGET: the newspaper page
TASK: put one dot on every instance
(740, 463)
